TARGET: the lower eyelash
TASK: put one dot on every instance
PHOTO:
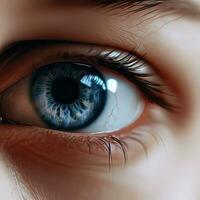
(96, 145)
(106, 142)
(107, 145)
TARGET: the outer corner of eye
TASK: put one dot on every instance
(75, 97)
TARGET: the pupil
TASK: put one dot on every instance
(65, 91)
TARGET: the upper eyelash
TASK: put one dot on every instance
(137, 5)
(128, 64)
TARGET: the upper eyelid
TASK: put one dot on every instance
(14, 53)
(104, 55)
(16, 49)
(126, 63)
(126, 58)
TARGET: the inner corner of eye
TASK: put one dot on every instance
(78, 98)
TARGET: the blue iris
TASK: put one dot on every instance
(68, 96)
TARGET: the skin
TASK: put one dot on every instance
(171, 169)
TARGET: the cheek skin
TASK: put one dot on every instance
(44, 178)
(55, 173)
(58, 182)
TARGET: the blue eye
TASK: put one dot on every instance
(80, 90)
(68, 96)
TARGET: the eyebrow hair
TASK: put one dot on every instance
(186, 6)
(129, 3)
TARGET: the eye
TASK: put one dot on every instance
(78, 94)
(99, 94)
(74, 96)
(70, 89)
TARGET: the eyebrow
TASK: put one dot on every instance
(128, 3)
(186, 6)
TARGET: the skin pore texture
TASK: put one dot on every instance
(38, 164)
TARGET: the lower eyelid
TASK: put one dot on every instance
(122, 146)
(78, 150)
